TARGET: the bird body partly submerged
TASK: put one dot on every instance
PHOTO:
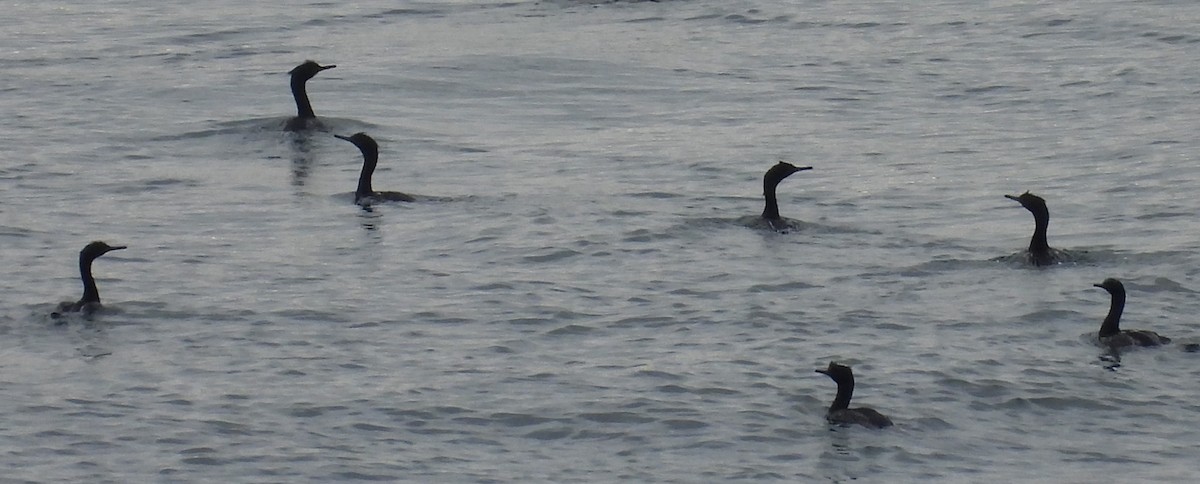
(771, 181)
(365, 195)
(90, 302)
(840, 412)
(305, 117)
(867, 417)
(1111, 335)
(1039, 252)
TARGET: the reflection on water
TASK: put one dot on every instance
(302, 156)
(369, 218)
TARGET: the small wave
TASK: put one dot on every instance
(1049, 316)
(312, 315)
(1062, 257)
(519, 419)
(948, 265)
(784, 287)
(1163, 284)
(616, 417)
(684, 424)
(413, 12)
(657, 374)
(551, 434)
(552, 256)
(1055, 403)
(570, 329)
(656, 195)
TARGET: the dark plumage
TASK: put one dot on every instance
(840, 412)
(1040, 253)
(771, 180)
(365, 195)
(1111, 333)
(304, 111)
(90, 301)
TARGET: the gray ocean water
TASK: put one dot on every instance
(582, 299)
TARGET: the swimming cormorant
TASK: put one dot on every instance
(1040, 253)
(364, 195)
(90, 301)
(840, 412)
(771, 180)
(1111, 334)
(304, 111)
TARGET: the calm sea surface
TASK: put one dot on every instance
(582, 296)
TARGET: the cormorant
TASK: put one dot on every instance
(840, 412)
(304, 111)
(1040, 253)
(364, 195)
(1111, 334)
(771, 180)
(90, 301)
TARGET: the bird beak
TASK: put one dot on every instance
(802, 168)
(338, 136)
(1013, 198)
(823, 372)
(328, 67)
(1098, 285)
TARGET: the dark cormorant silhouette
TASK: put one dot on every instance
(304, 111)
(840, 412)
(771, 180)
(1111, 334)
(1040, 253)
(90, 301)
(364, 195)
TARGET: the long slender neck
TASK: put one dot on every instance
(370, 159)
(1112, 322)
(845, 390)
(1038, 243)
(90, 293)
(771, 210)
(303, 107)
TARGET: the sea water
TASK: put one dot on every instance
(582, 296)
